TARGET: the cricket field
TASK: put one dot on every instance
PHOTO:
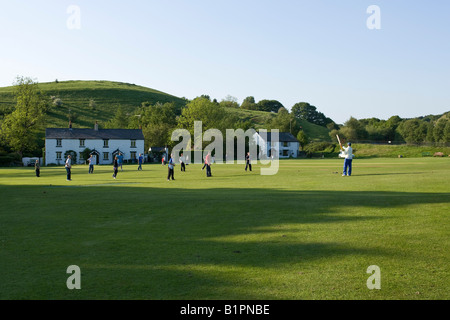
(304, 233)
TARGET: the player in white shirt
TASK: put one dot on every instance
(182, 163)
(348, 153)
(69, 167)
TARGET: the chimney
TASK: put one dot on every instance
(96, 126)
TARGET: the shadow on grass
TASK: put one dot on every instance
(150, 243)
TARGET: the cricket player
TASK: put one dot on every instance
(68, 167)
(170, 170)
(348, 153)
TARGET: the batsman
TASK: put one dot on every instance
(348, 158)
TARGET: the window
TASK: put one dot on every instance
(285, 153)
(105, 143)
(105, 156)
(285, 144)
(133, 143)
(59, 156)
(133, 155)
(58, 142)
(82, 142)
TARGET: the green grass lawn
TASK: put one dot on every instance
(305, 233)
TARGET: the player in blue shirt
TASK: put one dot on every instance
(140, 160)
(120, 160)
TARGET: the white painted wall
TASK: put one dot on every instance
(291, 149)
(74, 144)
(283, 151)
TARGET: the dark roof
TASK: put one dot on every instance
(75, 133)
(282, 137)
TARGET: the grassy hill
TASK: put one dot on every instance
(314, 131)
(76, 99)
(393, 151)
(259, 118)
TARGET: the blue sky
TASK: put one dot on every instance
(316, 51)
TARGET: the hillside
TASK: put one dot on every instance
(259, 118)
(76, 97)
(394, 151)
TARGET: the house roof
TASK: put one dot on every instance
(282, 137)
(76, 133)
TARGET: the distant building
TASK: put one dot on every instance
(103, 143)
(286, 146)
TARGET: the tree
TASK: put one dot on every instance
(269, 105)
(439, 129)
(305, 111)
(120, 120)
(430, 135)
(212, 116)
(92, 104)
(249, 103)
(285, 122)
(413, 131)
(348, 134)
(356, 130)
(447, 132)
(157, 122)
(302, 138)
(202, 109)
(157, 135)
(20, 128)
(158, 113)
(391, 124)
(335, 132)
(229, 102)
(84, 155)
(332, 126)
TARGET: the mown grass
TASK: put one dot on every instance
(304, 233)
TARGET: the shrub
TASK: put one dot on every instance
(85, 154)
(73, 154)
(10, 159)
(92, 104)
(56, 101)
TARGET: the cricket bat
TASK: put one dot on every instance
(339, 140)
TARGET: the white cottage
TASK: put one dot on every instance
(103, 143)
(286, 146)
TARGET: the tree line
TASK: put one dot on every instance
(22, 130)
(158, 121)
(430, 129)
